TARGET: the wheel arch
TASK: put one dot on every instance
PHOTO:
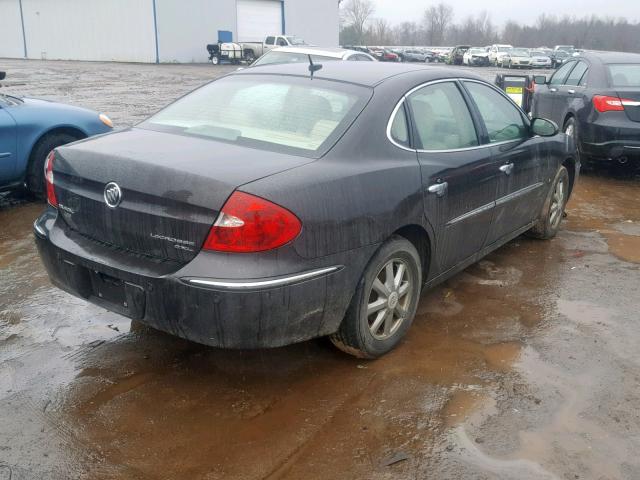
(76, 132)
(570, 165)
(419, 238)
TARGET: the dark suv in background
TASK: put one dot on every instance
(595, 98)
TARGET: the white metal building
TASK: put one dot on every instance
(154, 30)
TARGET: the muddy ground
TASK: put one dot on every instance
(524, 366)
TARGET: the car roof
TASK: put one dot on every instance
(367, 74)
(611, 57)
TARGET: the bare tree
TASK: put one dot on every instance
(438, 19)
(356, 14)
(380, 33)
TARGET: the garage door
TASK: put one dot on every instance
(258, 18)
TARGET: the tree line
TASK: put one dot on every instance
(438, 27)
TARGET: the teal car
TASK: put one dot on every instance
(31, 128)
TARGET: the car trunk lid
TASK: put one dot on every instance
(631, 101)
(172, 188)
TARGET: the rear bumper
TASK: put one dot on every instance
(230, 312)
(611, 141)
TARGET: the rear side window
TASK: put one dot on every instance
(501, 117)
(399, 128)
(442, 119)
(577, 74)
(624, 75)
(561, 74)
(270, 40)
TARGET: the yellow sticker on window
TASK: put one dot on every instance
(514, 90)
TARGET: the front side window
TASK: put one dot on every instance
(561, 74)
(501, 117)
(442, 119)
(270, 40)
(296, 114)
(577, 74)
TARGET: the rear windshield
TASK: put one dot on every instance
(290, 57)
(290, 114)
(624, 75)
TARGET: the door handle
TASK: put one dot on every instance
(507, 169)
(553, 89)
(571, 92)
(5, 154)
(438, 188)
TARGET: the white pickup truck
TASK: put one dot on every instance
(252, 50)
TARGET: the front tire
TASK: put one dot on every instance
(215, 60)
(35, 171)
(548, 222)
(385, 301)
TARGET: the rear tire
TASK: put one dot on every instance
(35, 171)
(550, 218)
(385, 301)
(215, 60)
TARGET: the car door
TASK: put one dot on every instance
(570, 94)
(8, 145)
(522, 160)
(545, 96)
(459, 175)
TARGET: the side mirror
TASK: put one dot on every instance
(544, 127)
(540, 79)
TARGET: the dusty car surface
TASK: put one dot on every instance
(272, 206)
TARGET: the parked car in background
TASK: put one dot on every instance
(515, 58)
(559, 57)
(253, 50)
(415, 55)
(318, 55)
(565, 48)
(30, 128)
(496, 52)
(595, 98)
(540, 59)
(441, 54)
(358, 48)
(291, 208)
(386, 55)
(456, 55)
(476, 56)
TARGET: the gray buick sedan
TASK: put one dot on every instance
(288, 202)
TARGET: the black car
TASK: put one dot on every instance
(596, 99)
(558, 57)
(271, 206)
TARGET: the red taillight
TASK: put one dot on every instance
(603, 103)
(48, 178)
(251, 224)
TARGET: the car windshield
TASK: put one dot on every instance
(624, 75)
(561, 54)
(296, 41)
(538, 53)
(504, 49)
(519, 52)
(476, 50)
(275, 56)
(290, 114)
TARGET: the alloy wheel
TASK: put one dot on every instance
(557, 203)
(389, 299)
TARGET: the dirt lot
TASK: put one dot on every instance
(525, 366)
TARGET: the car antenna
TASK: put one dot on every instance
(313, 67)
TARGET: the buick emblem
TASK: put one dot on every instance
(112, 195)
